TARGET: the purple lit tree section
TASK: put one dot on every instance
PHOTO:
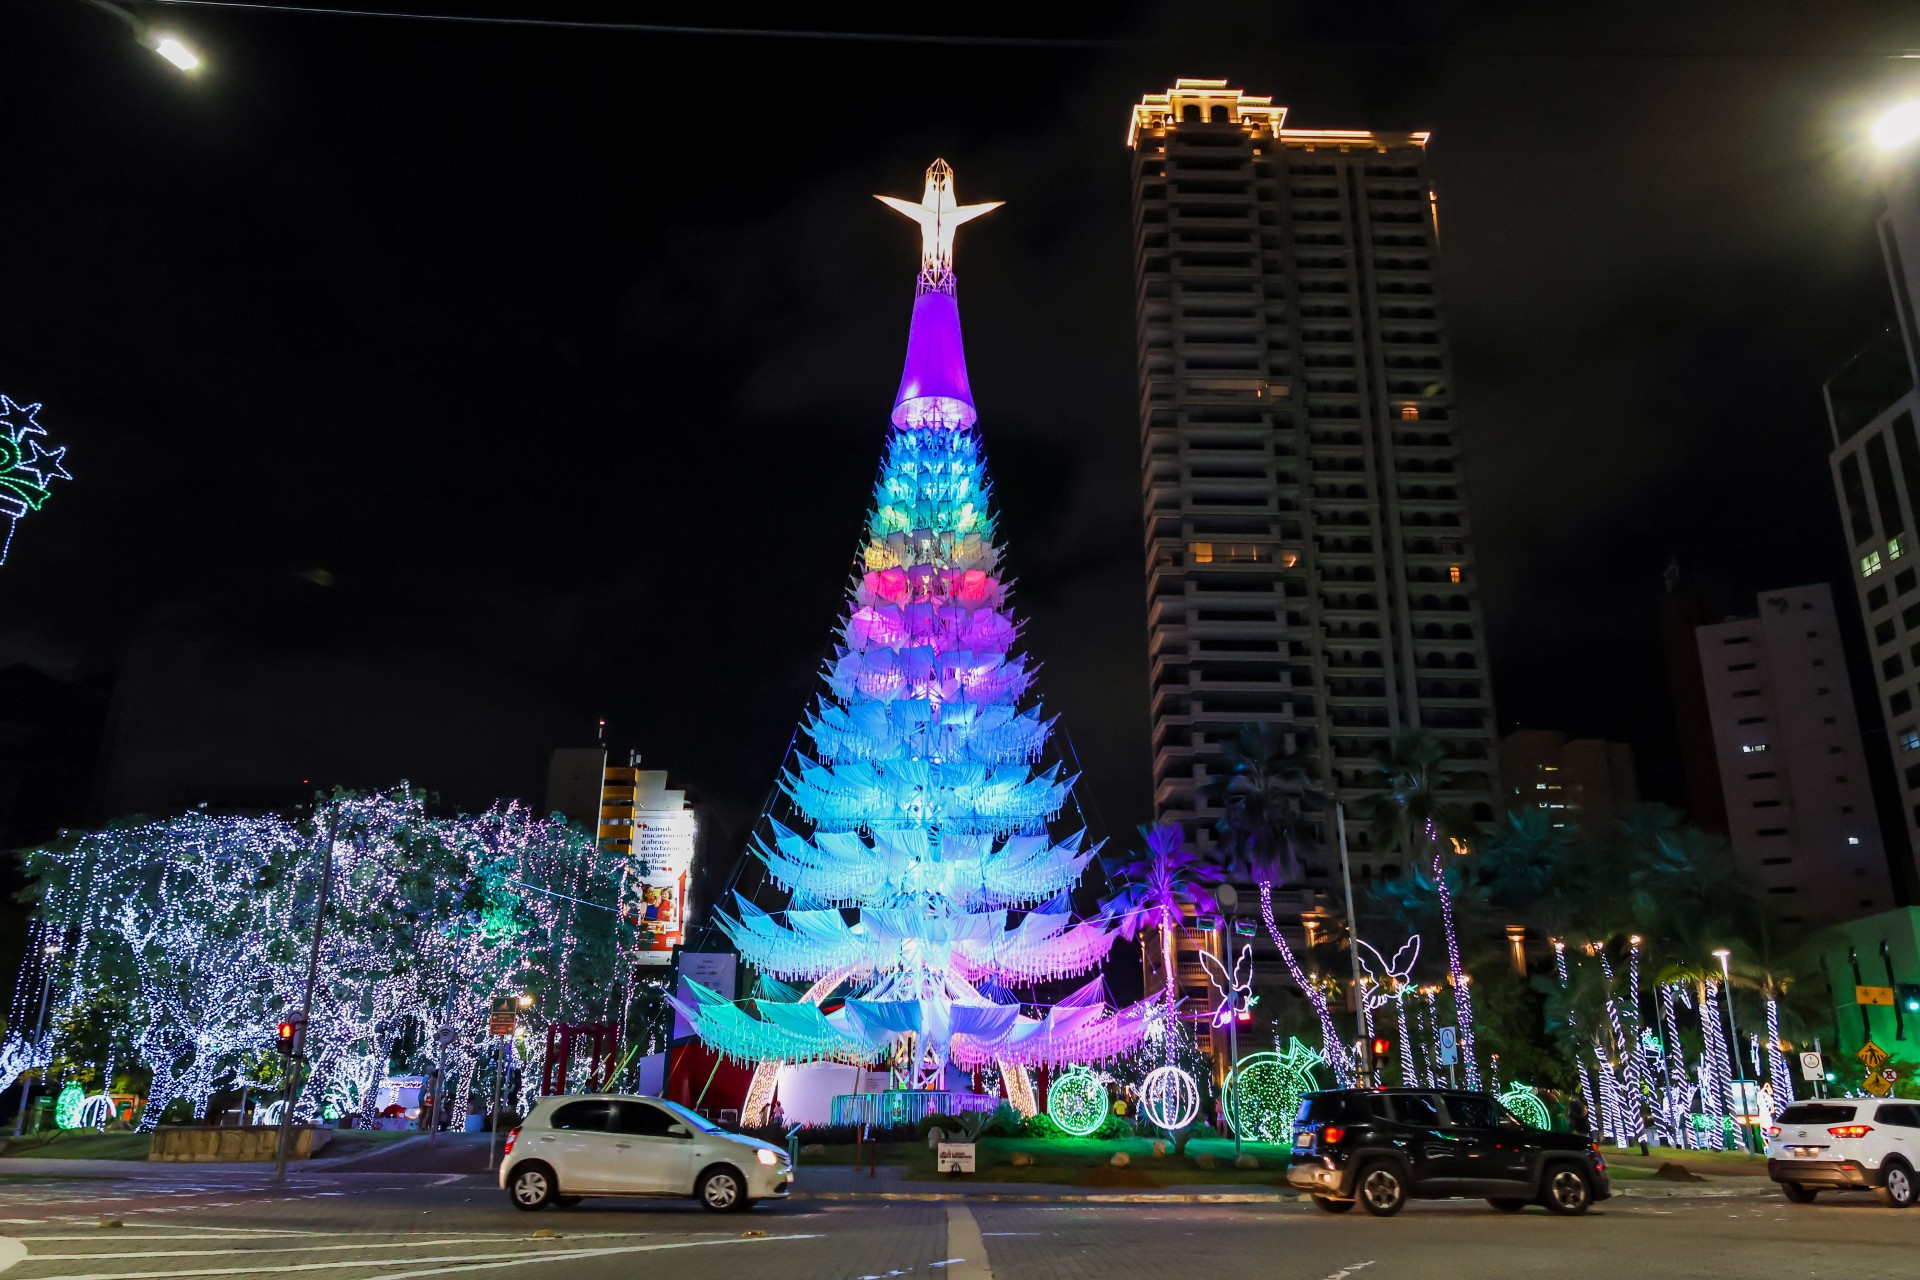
(924, 879)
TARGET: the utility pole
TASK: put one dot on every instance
(47, 954)
(299, 1054)
(1353, 941)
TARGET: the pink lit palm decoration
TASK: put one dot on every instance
(1153, 892)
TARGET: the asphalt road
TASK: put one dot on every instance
(346, 1225)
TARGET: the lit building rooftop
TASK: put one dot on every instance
(1197, 101)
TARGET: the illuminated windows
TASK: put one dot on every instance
(1202, 552)
(1893, 548)
(1411, 412)
(1453, 573)
(1753, 748)
(1869, 564)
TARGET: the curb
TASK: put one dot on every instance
(1108, 1197)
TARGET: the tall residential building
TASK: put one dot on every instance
(1576, 781)
(652, 830)
(1799, 807)
(1308, 557)
(1873, 406)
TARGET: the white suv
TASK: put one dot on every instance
(620, 1145)
(1847, 1144)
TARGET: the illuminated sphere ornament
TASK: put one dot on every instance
(1169, 1098)
(1526, 1106)
(1263, 1094)
(1077, 1102)
(96, 1111)
(66, 1108)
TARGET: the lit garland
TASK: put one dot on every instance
(1077, 1102)
(66, 1108)
(19, 1055)
(924, 799)
(1263, 1093)
(27, 467)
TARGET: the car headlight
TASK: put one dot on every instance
(765, 1157)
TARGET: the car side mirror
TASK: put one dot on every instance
(678, 1131)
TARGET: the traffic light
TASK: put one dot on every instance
(288, 1038)
(1906, 995)
(1378, 1050)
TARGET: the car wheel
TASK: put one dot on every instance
(1567, 1190)
(532, 1187)
(722, 1190)
(1505, 1205)
(1329, 1205)
(1899, 1190)
(1797, 1193)
(1381, 1191)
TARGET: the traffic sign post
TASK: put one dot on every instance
(1873, 995)
(504, 1016)
(1812, 1066)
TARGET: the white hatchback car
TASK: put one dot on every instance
(577, 1145)
(1847, 1144)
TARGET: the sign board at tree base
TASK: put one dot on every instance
(955, 1157)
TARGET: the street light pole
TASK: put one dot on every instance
(51, 950)
(1733, 1032)
(306, 1004)
(1353, 938)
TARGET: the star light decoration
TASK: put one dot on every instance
(27, 466)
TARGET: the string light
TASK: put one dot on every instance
(1526, 1106)
(1169, 1098)
(27, 466)
(1263, 1093)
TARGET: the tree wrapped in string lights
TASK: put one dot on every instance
(923, 803)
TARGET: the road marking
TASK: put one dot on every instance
(11, 1252)
(459, 1261)
(1346, 1271)
(963, 1240)
(223, 1253)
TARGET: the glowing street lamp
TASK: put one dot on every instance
(165, 43)
(1897, 127)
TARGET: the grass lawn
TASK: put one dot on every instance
(76, 1144)
(1710, 1164)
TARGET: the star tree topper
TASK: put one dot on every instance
(939, 214)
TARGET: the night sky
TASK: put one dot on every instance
(434, 390)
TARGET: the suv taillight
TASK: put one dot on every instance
(1773, 1131)
(511, 1135)
(1332, 1133)
(1851, 1130)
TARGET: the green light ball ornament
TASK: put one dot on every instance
(1526, 1106)
(66, 1108)
(1263, 1094)
(1077, 1102)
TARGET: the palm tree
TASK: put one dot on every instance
(1151, 890)
(1408, 815)
(1264, 830)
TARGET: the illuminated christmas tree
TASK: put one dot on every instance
(927, 882)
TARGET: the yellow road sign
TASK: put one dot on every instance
(1872, 1057)
(1873, 995)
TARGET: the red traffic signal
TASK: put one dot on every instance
(289, 1033)
(1381, 1047)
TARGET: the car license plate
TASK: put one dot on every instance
(1303, 1141)
(1805, 1153)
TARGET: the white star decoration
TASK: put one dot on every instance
(45, 463)
(939, 214)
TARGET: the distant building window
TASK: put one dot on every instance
(1910, 739)
(1869, 564)
(1893, 548)
(1753, 748)
(1742, 666)
(1202, 552)
(1411, 412)
(1892, 666)
(1453, 573)
(1853, 839)
(1900, 703)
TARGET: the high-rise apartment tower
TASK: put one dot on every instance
(1309, 563)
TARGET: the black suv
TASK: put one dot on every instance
(1381, 1146)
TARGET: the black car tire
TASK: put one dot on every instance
(1565, 1190)
(532, 1187)
(1380, 1190)
(722, 1189)
(1329, 1205)
(1505, 1205)
(1898, 1190)
(1797, 1193)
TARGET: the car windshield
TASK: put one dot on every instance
(1816, 1113)
(693, 1118)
